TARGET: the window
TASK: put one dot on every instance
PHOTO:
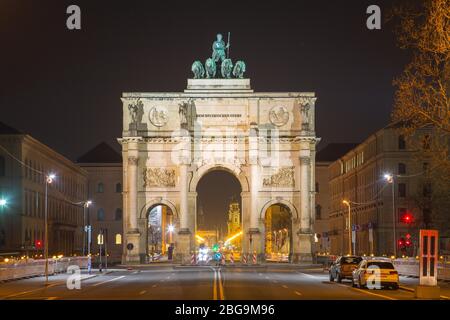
(427, 190)
(401, 143)
(426, 142)
(100, 214)
(118, 215)
(118, 238)
(401, 168)
(317, 187)
(318, 212)
(100, 188)
(2, 166)
(118, 187)
(402, 190)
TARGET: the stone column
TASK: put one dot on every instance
(183, 246)
(304, 233)
(254, 234)
(132, 232)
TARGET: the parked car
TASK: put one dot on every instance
(371, 273)
(343, 267)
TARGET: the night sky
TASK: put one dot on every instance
(63, 87)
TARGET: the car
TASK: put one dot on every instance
(343, 267)
(375, 274)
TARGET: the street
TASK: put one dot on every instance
(268, 282)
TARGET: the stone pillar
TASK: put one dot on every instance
(132, 233)
(304, 233)
(183, 248)
(254, 233)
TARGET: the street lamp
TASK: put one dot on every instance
(347, 203)
(3, 203)
(390, 179)
(48, 180)
(86, 205)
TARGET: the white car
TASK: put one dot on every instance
(375, 274)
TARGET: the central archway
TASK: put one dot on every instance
(219, 216)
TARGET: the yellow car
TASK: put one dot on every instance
(375, 274)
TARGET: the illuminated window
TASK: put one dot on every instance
(118, 238)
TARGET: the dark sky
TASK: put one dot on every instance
(64, 87)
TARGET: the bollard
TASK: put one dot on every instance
(254, 257)
(244, 258)
(193, 259)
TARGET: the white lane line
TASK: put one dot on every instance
(260, 274)
(307, 275)
(297, 293)
(266, 277)
(110, 280)
(274, 281)
(142, 292)
(284, 286)
(373, 294)
(168, 277)
(154, 286)
(221, 291)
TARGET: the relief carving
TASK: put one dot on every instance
(284, 177)
(159, 177)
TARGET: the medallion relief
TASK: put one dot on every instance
(278, 116)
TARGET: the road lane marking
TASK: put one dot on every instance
(297, 293)
(371, 293)
(284, 286)
(267, 277)
(214, 285)
(274, 281)
(110, 280)
(260, 274)
(154, 286)
(142, 292)
(221, 292)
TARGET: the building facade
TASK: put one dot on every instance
(375, 204)
(104, 170)
(325, 157)
(24, 164)
(171, 140)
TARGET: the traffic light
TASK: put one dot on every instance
(408, 243)
(38, 244)
(407, 218)
(215, 247)
(401, 242)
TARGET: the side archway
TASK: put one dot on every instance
(155, 202)
(272, 202)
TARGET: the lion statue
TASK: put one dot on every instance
(227, 67)
(198, 70)
(210, 67)
(239, 69)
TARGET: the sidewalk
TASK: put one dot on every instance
(410, 284)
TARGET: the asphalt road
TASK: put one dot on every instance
(271, 282)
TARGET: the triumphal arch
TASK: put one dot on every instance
(171, 140)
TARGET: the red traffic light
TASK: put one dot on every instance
(408, 243)
(401, 242)
(407, 218)
(38, 244)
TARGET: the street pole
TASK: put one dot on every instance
(84, 230)
(347, 203)
(394, 220)
(46, 231)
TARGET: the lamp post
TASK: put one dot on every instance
(48, 180)
(347, 203)
(86, 205)
(390, 179)
(3, 203)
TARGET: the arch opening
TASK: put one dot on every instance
(161, 227)
(278, 233)
(219, 214)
